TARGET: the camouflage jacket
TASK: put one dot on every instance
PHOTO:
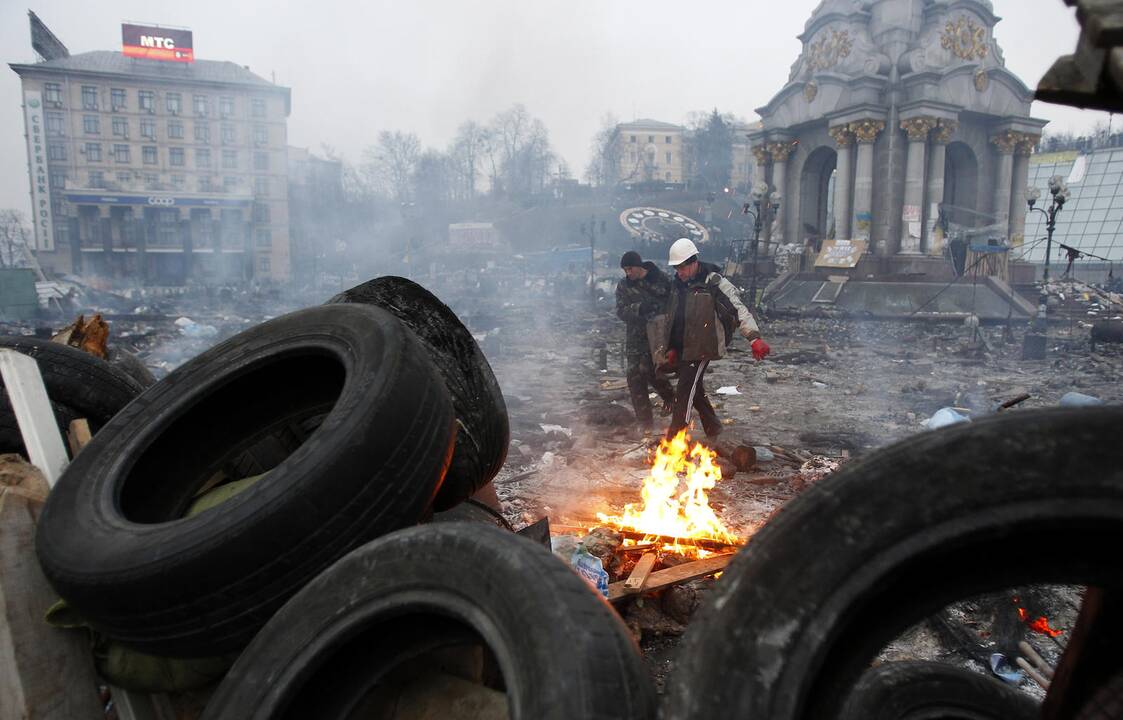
(638, 301)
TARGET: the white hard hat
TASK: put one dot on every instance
(681, 251)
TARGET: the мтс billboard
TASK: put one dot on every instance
(156, 43)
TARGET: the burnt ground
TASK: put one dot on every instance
(833, 389)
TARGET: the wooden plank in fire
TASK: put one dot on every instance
(637, 579)
(705, 543)
(673, 576)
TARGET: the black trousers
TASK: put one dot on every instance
(641, 373)
(691, 392)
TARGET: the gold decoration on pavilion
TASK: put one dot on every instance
(810, 91)
(825, 53)
(1006, 141)
(781, 151)
(965, 39)
(867, 130)
(944, 130)
(982, 80)
(917, 128)
(1026, 144)
(763, 157)
(842, 136)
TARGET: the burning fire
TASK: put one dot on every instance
(670, 511)
(1039, 624)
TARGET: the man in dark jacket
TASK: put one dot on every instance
(640, 294)
(704, 310)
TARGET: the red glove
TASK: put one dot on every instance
(672, 357)
(760, 349)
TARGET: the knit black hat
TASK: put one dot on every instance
(631, 259)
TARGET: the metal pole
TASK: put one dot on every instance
(592, 259)
(756, 242)
(1049, 239)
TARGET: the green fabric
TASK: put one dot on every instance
(137, 671)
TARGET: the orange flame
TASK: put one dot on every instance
(666, 510)
(1040, 624)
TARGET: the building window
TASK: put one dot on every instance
(668, 139)
(58, 179)
(151, 181)
(229, 184)
(200, 105)
(668, 177)
(202, 158)
(263, 264)
(52, 92)
(264, 237)
(668, 158)
(204, 183)
(93, 152)
(260, 135)
(179, 181)
(175, 129)
(634, 156)
(97, 179)
(260, 161)
(261, 213)
(632, 138)
(89, 97)
(121, 153)
(146, 99)
(54, 123)
(148, 128)
(91, 125)
(174, 103)
(202, 132)
(230, 159)
(228, 134)
(117, 99)
(175, 157)
(226, 106)
(261, 186)
(651, 138)
(257, 108)
(56, 152)
(148, 154)
(121, 127)
(123, 178)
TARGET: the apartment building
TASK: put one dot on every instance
(156, 172)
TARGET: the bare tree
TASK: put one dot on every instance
(390, 164)
(466, 155)
(14, 238)
(603, 168)
(521, 144)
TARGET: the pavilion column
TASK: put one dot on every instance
(1022, 152)
(845, 141)
(760, 168)
(781, 151)
(937, 161)
(1004, 177)
(917, 130)
(866, 131)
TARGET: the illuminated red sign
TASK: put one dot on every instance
(156, 43)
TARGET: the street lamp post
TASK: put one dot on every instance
(1058, 191)
(762, 206)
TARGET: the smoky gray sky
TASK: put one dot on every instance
(426, 66)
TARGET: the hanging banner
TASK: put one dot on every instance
(37, 166)
(156, 43)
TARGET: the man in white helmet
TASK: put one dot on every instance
(704, 310)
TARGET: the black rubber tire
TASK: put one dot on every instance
(484, 429)
(887, 541)
(561, 650)
(132, 366)
(112, 538)
(919, 690)
(85, 386)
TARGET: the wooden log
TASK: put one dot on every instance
(704, 543)
(637, 579)
(674, 575)
(45, 673)
(78, 435)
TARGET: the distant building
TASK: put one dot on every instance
(318, 216)
(153, 171)
(649, 150)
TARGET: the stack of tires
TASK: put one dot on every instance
(328, 434)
